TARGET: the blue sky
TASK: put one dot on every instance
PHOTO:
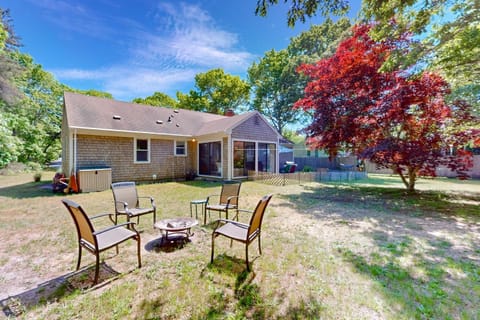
(134, 48)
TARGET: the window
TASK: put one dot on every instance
(210, 159)
(267, 157)
(180, 148)
(142, 150)
(243, 158)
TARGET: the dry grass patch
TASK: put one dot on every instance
(363, 250)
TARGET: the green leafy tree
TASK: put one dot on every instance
(157, 99)
(9, 94)
(275, 82)
(394, 120)
(450, 30)
(457, 52)
(30, 104)
(216, 92)
(451, 40)
(276, 87)
(9, 43)
(193, 101)
(320, 40)
(301, 9)
(8, 142)
(36, 119)
(95, 93)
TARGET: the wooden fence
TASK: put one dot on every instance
(283, 179)
(337, 163)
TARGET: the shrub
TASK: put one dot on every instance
(307, 169)
(37, 176)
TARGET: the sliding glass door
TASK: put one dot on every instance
(210, 159)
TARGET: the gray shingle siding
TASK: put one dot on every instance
(256, 129)
(118, 154)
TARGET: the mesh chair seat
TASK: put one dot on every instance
(113, 237)
(96, 241)
(242, 232)
(133, 212)
(227, 199)
(235, 231)
(127, 202)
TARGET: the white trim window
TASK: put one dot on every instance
(180, 148)
(142, 150)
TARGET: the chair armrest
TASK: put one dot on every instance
(230, 199)
(125, 204)
(99, 216)
(212, 195)
(225, 221)
(115, 227)
(245, 210)
(152, 200)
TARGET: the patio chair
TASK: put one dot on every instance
(97, 241)
(127, 202)
(242, 232)
(228, 199)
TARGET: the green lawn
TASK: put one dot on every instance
(360, 250)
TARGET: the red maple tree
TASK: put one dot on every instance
(394, 119)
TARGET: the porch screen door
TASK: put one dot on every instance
(243, 158)
(266, 157)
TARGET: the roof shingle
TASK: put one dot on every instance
(94, 113)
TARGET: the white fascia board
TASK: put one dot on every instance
(123, 133)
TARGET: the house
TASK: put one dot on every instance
(144, 143)
(286, 151)
(302, 150)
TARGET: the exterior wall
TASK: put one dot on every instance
(118, 154)
(474, 172)
(300, 150)
(372, 168)
(284, 157)
(255, 129)
(225, 158)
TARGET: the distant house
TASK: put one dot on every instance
(301, 150)
(140, 143)
(286, 151)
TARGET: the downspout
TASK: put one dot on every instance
(257, 151)
(69, 166)
(277, 157)
(229, 157)
(75, 151)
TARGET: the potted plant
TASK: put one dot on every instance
(190, 175)
(37, 176)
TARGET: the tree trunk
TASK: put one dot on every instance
(412, 178)
(409, 181)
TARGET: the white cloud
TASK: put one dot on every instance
(78, 74)
(187, 35)
(126, 83)
(184, 41)
(144, 82)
